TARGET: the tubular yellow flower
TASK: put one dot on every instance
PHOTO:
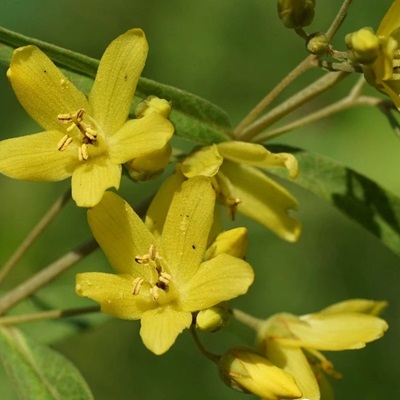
(383, 72)
(87, 139)
(294, 343)
(250, 372)
(239, 185)
(162, 280)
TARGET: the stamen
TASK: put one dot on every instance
(164, 278)
(154, 293)
(64, 142)
(137, 284)
(83, 153)
(89, 134)
(232, 204)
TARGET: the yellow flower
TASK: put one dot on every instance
(86, 138)
(382, 73)
(293, 343)
(250, 372)
(161, 281)
(239, 186)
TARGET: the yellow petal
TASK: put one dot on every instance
(36, 158)
(295, 362)
(391, 20)
(119, 71)
(92, 178)
(186, 229)
(139, 137)
(258, 156)
(113, 293)
(392, 89)
(121, 234)
(363, 306)
(233, 242)
(263, 200)
(205, 161)
(334, 332)
(42, 89)
(245, 370)
(157, 212)
(219, 279)
(161, 326)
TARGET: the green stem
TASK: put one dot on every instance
(327, 111)
(308, 63)
(337, 22)
(297, 100)
(46, 275)
(46, 315)
(246, 319)
(34, 234)
(211, 356)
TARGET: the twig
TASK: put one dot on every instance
(337, 22)
(34, 234)
(308, 63)
(297, 100)
(46, 315)
(46, 275)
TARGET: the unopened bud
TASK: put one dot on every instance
(362, 46)
(214, 318)
(247, 371)
(296, 13)
(317, 43)
(153, 104)
(233, 242)
(149, 166)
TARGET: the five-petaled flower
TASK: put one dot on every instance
(294, 343)
(86, 138)
(383, 72)
(233, 168)
(162, 281)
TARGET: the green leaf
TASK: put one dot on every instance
(353, 194)
(38, 372)
(194, 118)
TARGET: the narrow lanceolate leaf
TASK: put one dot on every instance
(194, 118)
(37, 372)
(353, 194)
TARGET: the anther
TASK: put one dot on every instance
(83, 153)
(164, 278)
(137, 284)
(64, 142)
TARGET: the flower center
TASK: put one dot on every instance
(161, 278)
(86, 134)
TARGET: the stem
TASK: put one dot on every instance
(45, 315)
(333, 108)
(211, 356)
(246, 319)
(308, 63)
(322, 84)
(354, 98)
(337, 22)
(46, 275)
(34, 234)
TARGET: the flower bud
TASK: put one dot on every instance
(153, 104)
(214, 318)
(296, 13)
(362, 46)
(149, 166)
(233, 242)
(247, 371)
(317, 44)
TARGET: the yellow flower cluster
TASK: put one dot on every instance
(178, 268)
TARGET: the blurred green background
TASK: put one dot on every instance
(231, 53)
